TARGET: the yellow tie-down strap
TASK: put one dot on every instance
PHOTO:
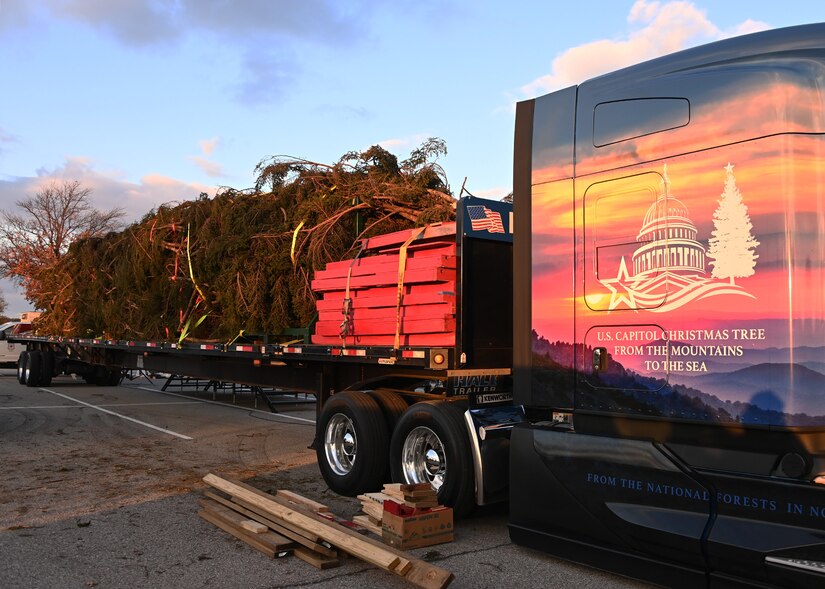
(402, 266)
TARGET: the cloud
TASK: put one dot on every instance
(6, 138)
(266, 77)
(208, 146)
(14, 13)
(657, 29)
(208, 167)
(109, 188)
(249, 27)
(133, 22)
(146, 22)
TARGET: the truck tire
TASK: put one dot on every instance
(34, 368)
(47, 368)
(431, 444)
(22, 362)
(392, 407)
(352, 454)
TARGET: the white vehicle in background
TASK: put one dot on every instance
(9, 352)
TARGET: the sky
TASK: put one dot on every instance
(153, 101)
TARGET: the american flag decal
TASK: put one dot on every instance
(482, 218)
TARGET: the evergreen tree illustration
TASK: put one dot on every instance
(732, 246)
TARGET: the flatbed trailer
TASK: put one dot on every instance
(362, 391)
(652, 387)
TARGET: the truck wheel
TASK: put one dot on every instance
(352, 455)
(392, 407)
(22, 361)
(34, 367)
(431, 445)
(47, 368)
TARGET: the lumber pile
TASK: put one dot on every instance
(399, 291)
(406, 516)
(286, 523)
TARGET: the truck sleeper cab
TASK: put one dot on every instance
(669, 247)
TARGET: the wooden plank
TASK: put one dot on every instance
(251, 541)
(423, 275)
(273, 539)
(253, 526)
(317, 560)
(435, 232)
(438, 311)
(385, 291)
(427, 576)
(365, 521)
(307, 540)
(419, 249)
(414, 340)
(301, 500)
(383, 327)
(337, 303)
(415, 252)
(350, 542)
(382, 264)
(373, 509)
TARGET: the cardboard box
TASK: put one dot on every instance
(425, 528)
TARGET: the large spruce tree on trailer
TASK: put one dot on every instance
(732, 246)
(243, 260)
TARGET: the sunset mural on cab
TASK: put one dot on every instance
(700, 274)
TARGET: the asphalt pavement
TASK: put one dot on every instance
(99, 488)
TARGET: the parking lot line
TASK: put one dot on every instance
(312, 421)
(127, 418)
(42, 407)
(101, 405)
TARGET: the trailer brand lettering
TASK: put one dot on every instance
(493, 398)
(466, 385)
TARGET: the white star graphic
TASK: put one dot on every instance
(623, 283)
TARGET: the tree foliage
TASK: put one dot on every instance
(242, 260)
(33, 241)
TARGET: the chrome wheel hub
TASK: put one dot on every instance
(340, 444)
(423, 459)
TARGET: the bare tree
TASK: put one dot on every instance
(36, 238)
